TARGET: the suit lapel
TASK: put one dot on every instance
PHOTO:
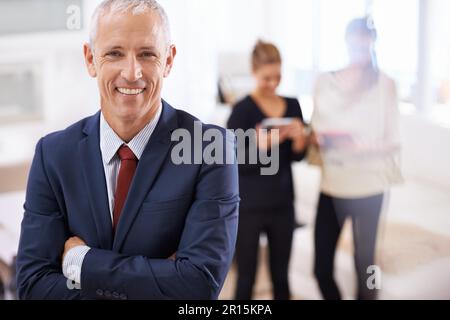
(95, 182)
(154, 156)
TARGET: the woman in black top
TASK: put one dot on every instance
(267, 200)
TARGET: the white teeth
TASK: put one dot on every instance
(130, 91)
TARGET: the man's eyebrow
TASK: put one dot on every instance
(114, 47)
(151, 48)
(118, 47)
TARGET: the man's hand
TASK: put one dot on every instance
(72, 242)
(173, 257)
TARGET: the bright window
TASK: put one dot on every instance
(397, 24)
(334, 17)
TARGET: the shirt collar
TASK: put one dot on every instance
(110, 142)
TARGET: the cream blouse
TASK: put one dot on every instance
(358, 136)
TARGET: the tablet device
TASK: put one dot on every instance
(270, 123)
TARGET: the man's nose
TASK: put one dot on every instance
(132, 70)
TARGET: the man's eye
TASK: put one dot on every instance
(147, 54)
(114, 54)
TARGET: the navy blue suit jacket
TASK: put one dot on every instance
(190, 209)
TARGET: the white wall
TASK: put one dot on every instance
(201, 30)
(426, 150)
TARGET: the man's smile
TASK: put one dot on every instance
(130, 92)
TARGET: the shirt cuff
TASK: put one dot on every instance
(73, 260)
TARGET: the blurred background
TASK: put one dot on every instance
(44, 87)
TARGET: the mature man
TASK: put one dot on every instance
(106, 206)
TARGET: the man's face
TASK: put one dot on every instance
(130, 58)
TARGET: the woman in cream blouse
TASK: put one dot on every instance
(355, 125)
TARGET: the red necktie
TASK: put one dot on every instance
(128, 163)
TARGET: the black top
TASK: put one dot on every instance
(265, 191)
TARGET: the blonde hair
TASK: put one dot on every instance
(264, 53)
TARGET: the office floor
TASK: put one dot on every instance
(413, 247)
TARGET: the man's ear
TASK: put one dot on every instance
(89, 60)
(169, 60)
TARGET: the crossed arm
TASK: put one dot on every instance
(203, 257)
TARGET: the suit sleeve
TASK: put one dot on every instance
(42, 238)
(203, 257)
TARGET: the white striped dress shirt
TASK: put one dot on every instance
(110, 143)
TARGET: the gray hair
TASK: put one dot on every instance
(136, 7)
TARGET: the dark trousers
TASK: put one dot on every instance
(331, 215)
(278, 225)
(2, 290)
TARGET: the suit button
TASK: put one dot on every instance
(123, 296)
(116, 295)
(107, 293)
(99, 292)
